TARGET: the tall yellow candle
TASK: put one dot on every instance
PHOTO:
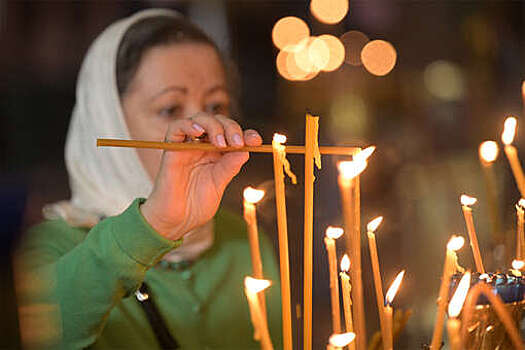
(253, 286)
(332, 233)
(347, 300)
(520, 238)
(466, 202)
(311, 152)
(280, 165)
(455, 243)
(507, 137)
(454, 309)
(388, 340)
(488, 153)
(380, 299)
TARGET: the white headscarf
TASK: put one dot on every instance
(104, 181)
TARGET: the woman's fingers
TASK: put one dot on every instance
(213, 128)
(252, 138)
(233, 131)
(179, 129)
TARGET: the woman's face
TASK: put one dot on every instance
(172, 81)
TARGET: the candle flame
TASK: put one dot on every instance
(255, 285)
(518, 264)
(279, 138)
(456, 303)
(345, 263)
(341, 340)
(374, 224)
(364, 154)
(252, 195)
(509, 130)
(334, 232)
(351, 169)
(521, 203)
(467, 200)
(455, 243)
(488, 151)
(394, 287)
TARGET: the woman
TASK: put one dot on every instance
(143, 217)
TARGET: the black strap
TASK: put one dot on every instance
(165, 339)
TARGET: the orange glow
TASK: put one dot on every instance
(302, 57)
(364, 154)
(394, 287)
(523, 89)
(509, 130)
(455, 243)
(353, 42)
(255, 285)
(488, 151)
(288, 68)
(457, 300)
(279, 138)
(351, 169)
(341, 340)
(252, 195)
(467, 200)
(318, 53)
(329, 11)
(345, 263)
(336, 52)
(289, 31)
(334, 232)
(379, 57)
(374, 224)
(518, 264)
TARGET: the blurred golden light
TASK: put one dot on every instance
(350, 169)
(444, 80)
(341, 340)
(345, 263)
(289, 31)
(336, 52)
(488, 151)
(374, 224)
(364, 154)
(302, 56)
(252, 195)
(523, 89)
(457, 300)
(353, 42)
(509, 130)
(455, 243)
(255, 285)
(379, 57)
(334, 232)
(288, 68)
(348, 116)
(518, 264)
(394, 287)
(329, 11)
(318, 53)
(467, 200)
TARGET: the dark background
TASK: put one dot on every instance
(426, 146)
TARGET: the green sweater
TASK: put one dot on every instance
(76, 286)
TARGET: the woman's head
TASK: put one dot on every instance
(167, 68)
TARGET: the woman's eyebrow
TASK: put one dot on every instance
(170, 88)
(216, 88)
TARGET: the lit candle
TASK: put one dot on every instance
(488, 153)
(253, 286)
(454, 309)
(280, 163)
(349, 187)
(251, 197)
(517, 266)
(523, 95)
(520, 239)
(371, 227)
(332, 233)
(339, 341)
(311, 152)
(507, 137)
(455, 243)
(388, 341)
(347, 299)
(466, 202)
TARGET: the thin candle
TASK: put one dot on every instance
(253, 196)
(347, 299)
(507, 137)
(454, 309)
(488, 153)
(371, 228)
(311, 154)
(253, 286)
(454, 244)
(333, 233)
(339, 341)
(520, 238)
(388, 341)
(466, 202)
(281, 165)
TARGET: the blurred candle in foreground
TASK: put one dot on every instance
(333, 233)
(454, 244)
(454, 309)
(347, 300)
(339, 341)
(388, 341)
(466, 202)
(507, 137)
(253, 286)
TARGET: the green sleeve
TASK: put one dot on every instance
(72, 281)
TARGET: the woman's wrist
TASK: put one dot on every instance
(164, 228)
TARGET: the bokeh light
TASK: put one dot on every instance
(303, 57)
(348, 116)
(353, 42)
(523, 89)
(336, 52)
(287, 64)
(444, 80)
(379, 57)
(329, 11)
(318, 53)
(289, 31)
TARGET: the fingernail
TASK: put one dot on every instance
(237, 140)
(221, 141)
(198, 128)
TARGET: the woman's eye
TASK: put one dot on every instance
(170, 111)
(217, 108)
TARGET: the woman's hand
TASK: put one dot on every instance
(190, 184)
